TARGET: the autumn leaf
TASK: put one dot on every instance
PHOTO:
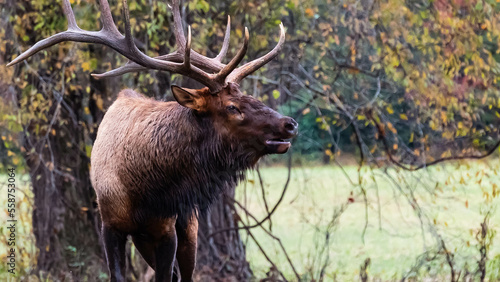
(86, 66)
(309, 12)
(389, 109)
(276, 94)
(329, 153)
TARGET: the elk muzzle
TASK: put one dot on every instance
(289, 129)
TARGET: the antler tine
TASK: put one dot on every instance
(221, 76)
(238, 74)
(52, 40)
(213, 65)
(180, 39)
(225, 44)
(107, 18)
(131, 66)
(183, 61)
(187, 50)
(70, 16)
(111, 37)
(128, 30)
(75, 33)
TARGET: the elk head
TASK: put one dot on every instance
(241, 118)
(237, 116)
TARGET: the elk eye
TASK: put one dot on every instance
(232, 109)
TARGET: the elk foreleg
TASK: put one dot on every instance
(145, 245)
(187, 237)
(114, 243)
(166, 245)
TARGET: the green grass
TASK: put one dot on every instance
(453, 196)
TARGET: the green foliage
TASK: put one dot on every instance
(428, 72)
(421, 75)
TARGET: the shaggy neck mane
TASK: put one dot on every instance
(195, 170)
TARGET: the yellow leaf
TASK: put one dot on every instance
(433, 125)
(403, 116)
(444, 117)
(353, 71)
(86, 66)
(391, 128)
(309, 12)
(306, 111)
(395, 146)
(99, 103)
(389, 109)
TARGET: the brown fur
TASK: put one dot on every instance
(156, 164)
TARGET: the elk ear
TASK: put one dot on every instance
(189, 98)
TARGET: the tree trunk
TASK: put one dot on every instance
(65, 218)
(222, 256)
(64, 215)
(65, 223)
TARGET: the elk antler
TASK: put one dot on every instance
(208, 71)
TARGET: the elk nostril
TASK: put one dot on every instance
(289, 126)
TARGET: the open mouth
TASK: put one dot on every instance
(278, 146)
(277, 142)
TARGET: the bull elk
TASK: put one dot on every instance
(155, 165)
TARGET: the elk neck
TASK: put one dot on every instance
(181, 159)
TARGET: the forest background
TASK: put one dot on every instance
(385, 91)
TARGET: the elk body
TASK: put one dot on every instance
(155, 165)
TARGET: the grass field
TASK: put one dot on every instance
(451, 201)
